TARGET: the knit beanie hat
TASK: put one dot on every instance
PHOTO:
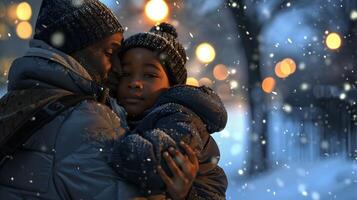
(162, 39)
(70, 25)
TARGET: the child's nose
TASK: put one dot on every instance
(138, 84)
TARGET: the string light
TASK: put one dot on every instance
(205, 52)
(156, 10)
(333, 41)
(24, 11)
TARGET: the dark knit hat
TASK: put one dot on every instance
(70, 25)
(162, 39)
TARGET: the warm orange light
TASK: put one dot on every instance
(279, 72)
(333, 41)
(205, 52)
(285, 68)
(192, 81)
(24, 11)
(156, 10)
(268, 84)
(24, 30)
(11, 12)
(291, 63)
(220, 72)
(205, 81)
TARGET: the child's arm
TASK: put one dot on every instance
(211, 181)
(137, 155)
(210, 186)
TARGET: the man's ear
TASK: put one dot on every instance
(80, 56)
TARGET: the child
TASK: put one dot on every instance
(162, 112)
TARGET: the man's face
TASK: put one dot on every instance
(97, 58)
(142, 80)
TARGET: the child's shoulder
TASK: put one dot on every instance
(195, 101)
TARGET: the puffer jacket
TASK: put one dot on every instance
(68, 157)
(183, 113)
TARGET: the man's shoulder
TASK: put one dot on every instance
(95, 109)
(96, 119)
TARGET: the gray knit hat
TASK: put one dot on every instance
(162, 39)
(79, 23)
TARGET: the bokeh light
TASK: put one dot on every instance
(24, 30)
(279, 72)
(333, 41)
(24, 11)
(205, 52)
(285, 68)
(233, 84)
(268, 84)
(192, 81)
(220, 72)
(206, 82)
(156, 10)
(291, 63)
(57, 39)
(11, 12)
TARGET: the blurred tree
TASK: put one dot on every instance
(252, 16)
(250, 27)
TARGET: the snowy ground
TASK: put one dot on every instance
(323, 180)
(335, 178)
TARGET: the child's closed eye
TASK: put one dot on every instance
(151, 75)
(125, 74)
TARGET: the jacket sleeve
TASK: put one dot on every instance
(156, 135)
(210, 186)
(137, 155)
(211, 181)
(84, 144)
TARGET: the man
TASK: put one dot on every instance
(67, 158)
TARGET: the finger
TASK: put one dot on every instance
(167, 180)
(179, 158)
(190, 153)
(172, 165)
(183, 162)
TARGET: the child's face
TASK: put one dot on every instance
(141, 82)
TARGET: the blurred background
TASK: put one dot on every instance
(285, 69)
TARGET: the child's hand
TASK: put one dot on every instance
(184, 170)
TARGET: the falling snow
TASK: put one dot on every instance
(298, 141)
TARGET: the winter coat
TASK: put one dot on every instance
(68, 157)
(183, 113)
